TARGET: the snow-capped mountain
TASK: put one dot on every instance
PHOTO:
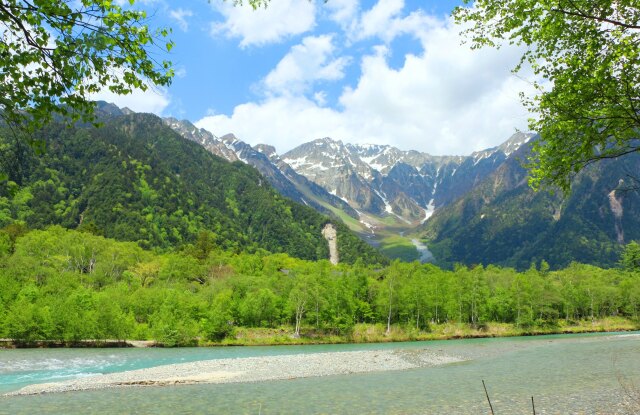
(383, 180)
(503, 221)
(474, 209)
(364, 181)
(330, 164)
(265, 159)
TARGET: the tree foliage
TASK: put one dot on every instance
(48, 293)
(135, 179)
(630, 258)
(55, 54)
(588, 53)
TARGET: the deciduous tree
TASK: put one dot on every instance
(588, 54)
(630, 259)
(55, 54)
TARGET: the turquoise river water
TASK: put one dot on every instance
(566, 374)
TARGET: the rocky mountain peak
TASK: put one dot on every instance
(507, 148)
(106, 109)
(514, 143)
(264, 158)
(362, 179)
(201, 136)
(229, 138)
(267, 150)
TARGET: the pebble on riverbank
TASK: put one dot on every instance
(252, 369)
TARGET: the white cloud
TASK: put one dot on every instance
(320, 98)
(446, 100)
(180, 16)
(153, 100)
(386, 21)
(306, 63)
(342, 11)
(281, 19)
(180, 71)
(377, 20)
(284, 122)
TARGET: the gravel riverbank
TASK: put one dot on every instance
(252, 369)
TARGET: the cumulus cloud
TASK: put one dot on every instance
(306, 63)
(280, 20)
(342, 11)
(446, 99)
(377, 20)
(285, 122)
(153, 100)
(180, 16)
(385, 20)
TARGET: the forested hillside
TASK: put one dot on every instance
(503, 221)
(134, 179)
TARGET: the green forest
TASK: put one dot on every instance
(135, 179)
(68, 285)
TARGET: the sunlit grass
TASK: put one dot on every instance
(396, 246)
(377, 333)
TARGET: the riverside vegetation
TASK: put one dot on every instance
(68, 286)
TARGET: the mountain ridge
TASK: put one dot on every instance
(356, 179)
(469, 209)
(135, 179)
(504, 222)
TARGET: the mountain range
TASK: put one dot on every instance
(475, 209)
(378, 180)
(163, 182)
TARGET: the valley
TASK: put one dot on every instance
(475, 209)
(380, 192)
(463, 209)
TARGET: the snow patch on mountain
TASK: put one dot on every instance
(387, 206)
(296, 163)
(428, 212)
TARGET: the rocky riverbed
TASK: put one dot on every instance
(252, 369)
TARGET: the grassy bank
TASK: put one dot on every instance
(360, 333)
(397, 246)
(376, 333)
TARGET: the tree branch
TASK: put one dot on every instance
(584, 15)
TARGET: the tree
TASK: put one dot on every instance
(589, 54)
(259, 308)
(299, 297)
(55, 54)
(630, 259)
(389, 291)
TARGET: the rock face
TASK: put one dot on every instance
(377, 180)
(474, 209)
(616, 208)
(331, 235)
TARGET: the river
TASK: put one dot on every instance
(564, 374)
(423, 250)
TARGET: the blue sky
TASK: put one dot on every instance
(380, 71)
